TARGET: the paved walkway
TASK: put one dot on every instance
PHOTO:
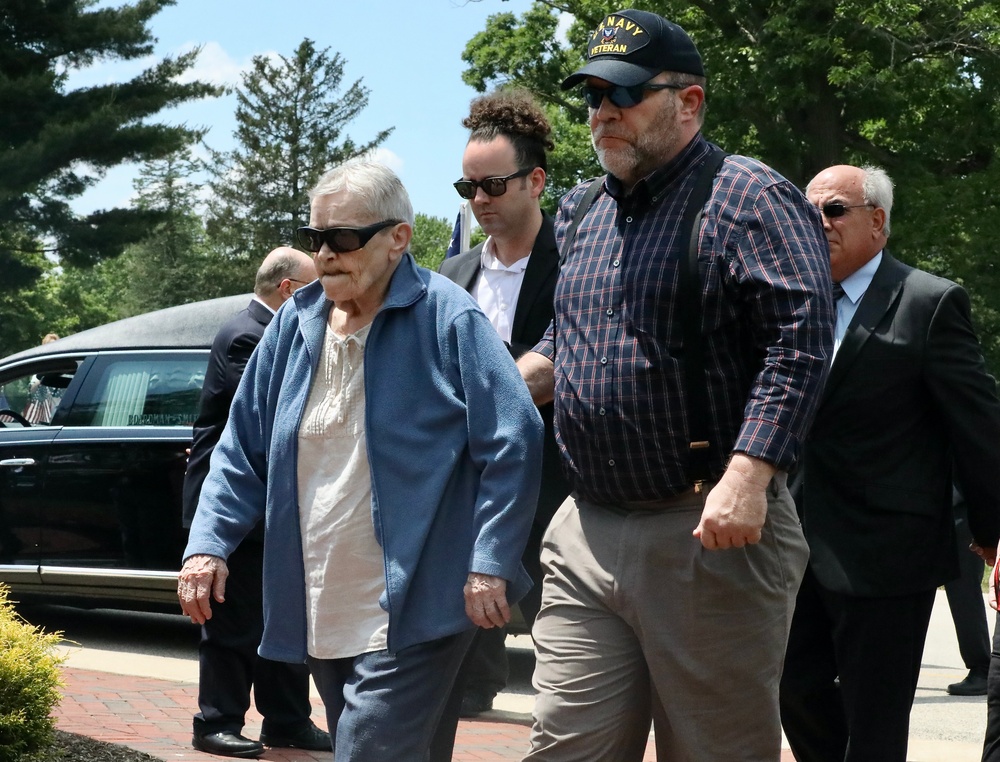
(154, 716)
(146, 702)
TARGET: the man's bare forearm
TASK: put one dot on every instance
(538, 373)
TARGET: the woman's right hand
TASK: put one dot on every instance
(202, 578)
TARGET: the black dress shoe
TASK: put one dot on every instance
(228, 744)
(310, 738)
(974, 684)
(474, 704)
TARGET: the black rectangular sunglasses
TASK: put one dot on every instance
(340, 240)
(492, 186)
(838, 209)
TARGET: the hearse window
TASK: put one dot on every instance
(161, 390)
(35, 396)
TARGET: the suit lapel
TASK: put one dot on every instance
(259, 312)
(882, 293)
(468, 267)
(543, 263)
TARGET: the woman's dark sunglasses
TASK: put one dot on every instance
(492, 186)
(340, 240)
(837, 209)
(623, 97)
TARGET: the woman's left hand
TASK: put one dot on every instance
(486, 600)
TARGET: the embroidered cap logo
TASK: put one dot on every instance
(617, 36)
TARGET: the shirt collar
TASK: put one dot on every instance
(489, 260)
(650, 189)
(856, 284)
(265, 304)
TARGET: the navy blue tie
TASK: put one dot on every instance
(838, 291)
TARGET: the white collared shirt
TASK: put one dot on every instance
(855, 285)
(265, 304)
(498, 288)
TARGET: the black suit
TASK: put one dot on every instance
(485, 668)
(231, 350)
(907, 395)
(228, 661)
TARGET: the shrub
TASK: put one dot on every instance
(29, 684)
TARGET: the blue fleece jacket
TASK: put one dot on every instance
(454, 447)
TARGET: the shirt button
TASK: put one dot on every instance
(604, 361)
(601, 411)
(615, 263)
(610, 312)
(611, 462)
(628, 219)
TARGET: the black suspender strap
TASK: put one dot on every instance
(578, 214)
(695, 387)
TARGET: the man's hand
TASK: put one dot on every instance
(201, 578)
(994, 580)
(486, 600)
(989, 555)
(736, 507)
(995, 574)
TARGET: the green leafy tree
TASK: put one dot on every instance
(912, 87)
(431, 236)
(170, 265)
(28, 312)
(291, 117)
(56, 142)
(85, 297)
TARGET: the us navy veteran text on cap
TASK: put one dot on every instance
(631, 47)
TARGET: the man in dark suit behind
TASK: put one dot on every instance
(227, 654)
(908, 394)
(513, 277)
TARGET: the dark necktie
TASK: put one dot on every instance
(838, 291)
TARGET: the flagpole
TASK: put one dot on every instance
(465, 215)
(461, 235)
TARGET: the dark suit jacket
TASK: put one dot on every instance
(231, 350)
(908, 395)
(534, 311)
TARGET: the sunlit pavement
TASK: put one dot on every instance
(146, 702)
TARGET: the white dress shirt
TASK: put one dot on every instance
(497, 289)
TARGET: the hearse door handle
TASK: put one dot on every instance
(17, 462)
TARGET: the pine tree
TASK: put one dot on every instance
(173, 264)
(56, 142)
(291, 115)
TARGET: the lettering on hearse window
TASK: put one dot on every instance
(141, 389)
(160, 419)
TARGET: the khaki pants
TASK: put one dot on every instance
(639, 622)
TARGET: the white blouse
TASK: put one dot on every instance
(344, 566)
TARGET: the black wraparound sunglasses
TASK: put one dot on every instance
(623, 97)
(340, 240)
(838, 209)
(492, 186)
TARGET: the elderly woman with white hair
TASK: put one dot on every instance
(383, 434)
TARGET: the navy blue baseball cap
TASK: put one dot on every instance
(631, 47)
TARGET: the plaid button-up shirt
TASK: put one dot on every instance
(767, 317)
